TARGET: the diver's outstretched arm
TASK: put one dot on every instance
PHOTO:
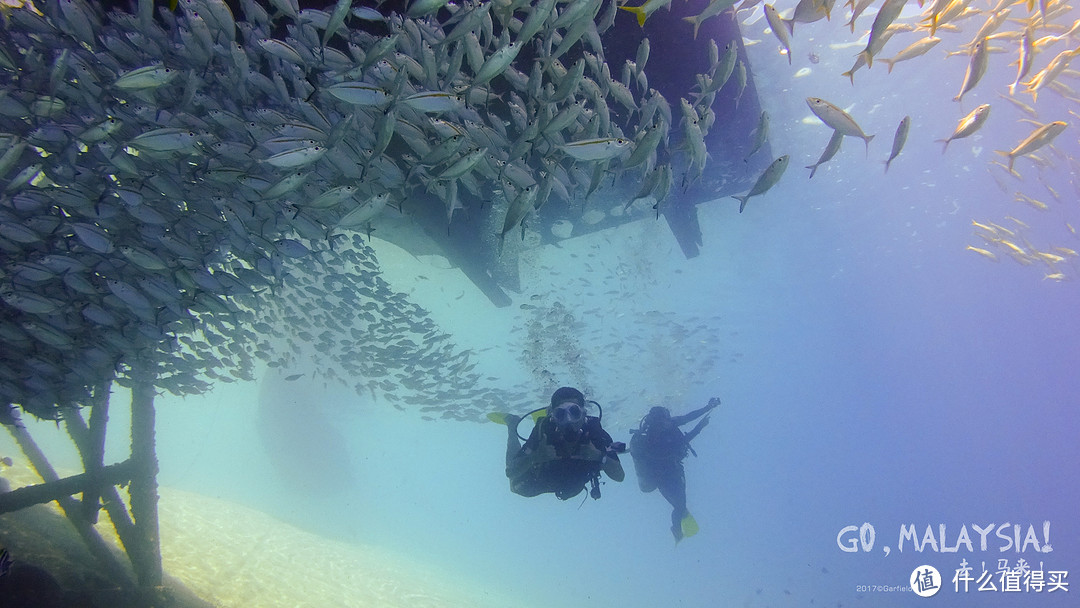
(697, 429)
(681, 420)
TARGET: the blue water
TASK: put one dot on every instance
(871, 369)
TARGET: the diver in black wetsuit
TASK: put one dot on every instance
(565, 451)
(658, 447)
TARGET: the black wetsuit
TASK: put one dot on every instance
(658, 451)
(550, 461)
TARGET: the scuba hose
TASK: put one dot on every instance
(527, 415)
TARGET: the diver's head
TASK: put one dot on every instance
(657, 417)
(567, 408)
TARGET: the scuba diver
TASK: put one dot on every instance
(658, 447)
(566, 450)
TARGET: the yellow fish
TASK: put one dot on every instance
(1038, 138)
(968, 125)
(986, 254)
(642, 12)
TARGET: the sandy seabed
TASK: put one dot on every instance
(232, 555)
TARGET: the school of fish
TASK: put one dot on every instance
(183, 188)
(1038, 34)
(169, 171)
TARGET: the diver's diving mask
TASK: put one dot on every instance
(568, 413)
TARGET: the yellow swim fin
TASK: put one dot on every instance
(497, 417)
(689, 526)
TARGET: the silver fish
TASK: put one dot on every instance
(519, 208)
(298, 157)
(165, 140)
(144, 78)
(1027, 53)
(359, 93)
(433, 101)
(765, 181)
(761, 133)
(898, 140)
(837, 119)
(364, 211)
(776, 24)
(980, 56)
(597, 149)
(888, 13)
(496, 63)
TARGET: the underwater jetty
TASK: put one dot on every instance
(187, 189)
